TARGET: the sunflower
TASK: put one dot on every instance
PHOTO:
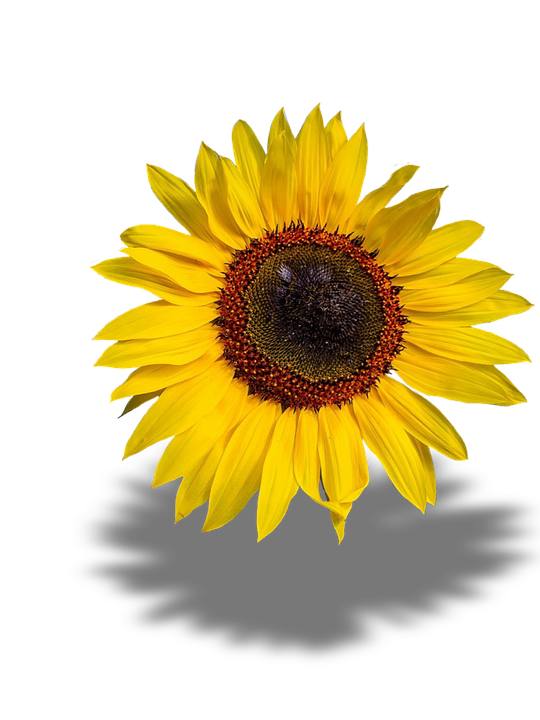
(282, 312)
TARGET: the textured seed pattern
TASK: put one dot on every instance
(316, 311)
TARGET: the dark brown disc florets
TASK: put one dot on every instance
(308, 318)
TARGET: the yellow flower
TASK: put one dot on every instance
(281, 313)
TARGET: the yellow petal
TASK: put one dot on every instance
(187, 449)
(386, 438)
(397, 230)
(281, 124)
(378, 199)
(342, 182)
(312, 159)
(157, 319)
(380, 223)
(239, 473)
(180, 406)
(338, 520)
(341, 451)
(454, 380)
(307, 466)
(154, 237)
(306, 458)
(328, 437)
(211, 187)
(195, 489)
(448, 273)
(170, 350)
(468, 344)
(441, 245)
(243, 202)
(187, 274)
(156, 377)
(428, 471)
(465, 292)
(359, 477)
(407, 233)
(205, 176)
(279, 185)
(127, 271)
(278, 485)
(248, 154)
(181, 201)
(336, 135)
(499, 305)
(422, 419)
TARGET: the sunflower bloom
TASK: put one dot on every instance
(280, 314)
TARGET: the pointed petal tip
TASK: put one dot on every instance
(441, 191)
(151, 172)
(153, 169)
(129, 451)
(515, 397)
(238, 121)
(262, 534)
(464, 454)
(358, 131)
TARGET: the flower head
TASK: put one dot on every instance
(281, 313)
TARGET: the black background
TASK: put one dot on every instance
(472, 529)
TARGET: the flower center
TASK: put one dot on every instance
(315, 310)
(308, 318)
